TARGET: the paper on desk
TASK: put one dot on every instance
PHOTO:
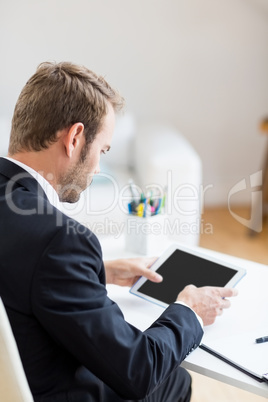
(243, 350)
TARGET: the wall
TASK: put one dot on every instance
(201, 65)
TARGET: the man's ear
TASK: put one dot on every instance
(73, 138)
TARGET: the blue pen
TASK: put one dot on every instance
(262, 339)
(145, 206)
(157, 210)
(129, 208)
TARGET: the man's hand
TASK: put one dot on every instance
(125, 272)
(208, 301)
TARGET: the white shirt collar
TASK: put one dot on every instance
(46, 186)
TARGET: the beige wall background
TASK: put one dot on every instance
(199, 65)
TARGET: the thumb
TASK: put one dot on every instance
(152, 276)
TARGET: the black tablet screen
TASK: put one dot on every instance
(182, 269)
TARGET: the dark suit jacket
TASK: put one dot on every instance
(73, 340)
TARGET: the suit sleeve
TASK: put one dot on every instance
(70, 301)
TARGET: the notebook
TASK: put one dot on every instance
(242, 352)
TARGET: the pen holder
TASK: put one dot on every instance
(146, 236)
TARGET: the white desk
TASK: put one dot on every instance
(249, 311)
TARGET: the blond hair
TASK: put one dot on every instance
(57, 96)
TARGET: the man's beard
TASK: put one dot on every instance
(75, 180)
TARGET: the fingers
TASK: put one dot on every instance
(152, 276)
(219, 297)
(227, 292)
(225, 303)
(149, 261)
(218, 302)
(208, 301)
(142, 264)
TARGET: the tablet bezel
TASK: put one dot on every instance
(197, 251)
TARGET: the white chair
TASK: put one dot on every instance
(13, 383)
(5, 125)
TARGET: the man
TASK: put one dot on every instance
(73, 340)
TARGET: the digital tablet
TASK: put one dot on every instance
(181, 266)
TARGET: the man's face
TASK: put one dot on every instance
(80, 176)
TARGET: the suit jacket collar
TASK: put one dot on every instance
(17, 174)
